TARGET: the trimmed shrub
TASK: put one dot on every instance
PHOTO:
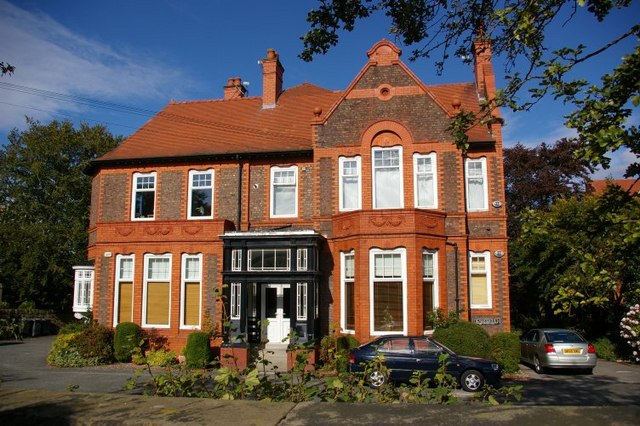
(127, 341)
(161, 358)
(91, 346)
(505, 349)
(464, 338)
(605, 349)
(346, 343)
(198, 352)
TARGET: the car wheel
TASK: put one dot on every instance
(377, 378)
(536, 365)
(472, 380)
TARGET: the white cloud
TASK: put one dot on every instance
(49, 56)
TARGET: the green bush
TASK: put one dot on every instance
(505, 349)
(160, 358)
(346, 343)
(73, 327)
(605, 349)
(464, 338)
(126, 341)
(198, 352)
(91, 346)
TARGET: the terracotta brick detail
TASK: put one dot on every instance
(485, 228)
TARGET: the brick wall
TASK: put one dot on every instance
(170, 195)
(115, 197)
(227, 193)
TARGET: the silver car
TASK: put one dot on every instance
(547, 348)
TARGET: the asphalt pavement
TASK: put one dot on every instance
(31, 393)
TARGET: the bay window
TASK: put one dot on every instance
(191, 291)
(350, 183)
(156, 291)
(388, 190)
(388, 291)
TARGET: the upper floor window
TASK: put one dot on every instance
(480, 277)
(388, 191)
(200, 194)
(284, 191)
(350, 183)
(269, 260)
(143, 197)
(477, 193)
(425, 181)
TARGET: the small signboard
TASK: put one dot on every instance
(487, 320)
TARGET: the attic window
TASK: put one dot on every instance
(384, 92)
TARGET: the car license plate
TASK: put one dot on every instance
(571, 351)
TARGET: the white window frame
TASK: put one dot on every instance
(146, 281)
(400, 190)
(192, 174)
(372, 280)
(119, 279)
(302, 259)
(434, 175)
(343, 289)
(301, 301)
(236, 260)
(274, 171)
(135, 190)
(342, 178)
(485, 190)
(434, 278)
(83, 288)
(487, 262)
(235, 304)
(253, 268)
(184, 281)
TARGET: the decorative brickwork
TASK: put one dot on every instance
(170, 195)
(259, 203)
(115, 197)
(227, 193)
(375, 76)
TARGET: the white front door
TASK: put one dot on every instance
(276, 310)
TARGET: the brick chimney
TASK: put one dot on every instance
(272, 71)
(234, 89)
(485, 79)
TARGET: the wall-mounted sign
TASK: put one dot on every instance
(487, 320)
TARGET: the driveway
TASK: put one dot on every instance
(23, 365)
(611, 383)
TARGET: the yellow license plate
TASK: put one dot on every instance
(571, 351)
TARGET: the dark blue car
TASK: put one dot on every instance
(403, 355)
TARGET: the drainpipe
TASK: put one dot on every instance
(455, 253)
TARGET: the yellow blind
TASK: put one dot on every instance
(158, 303)
(125, 296)
(192, 304)
(479, 295)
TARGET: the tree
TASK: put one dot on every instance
(580, 261)
(516, 31)
(536, 177)
(44, 208)
(6, 68)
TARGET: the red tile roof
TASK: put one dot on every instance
(242, 126)
(630, 185)
(215, 127)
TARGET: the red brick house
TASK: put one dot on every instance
(316, 209)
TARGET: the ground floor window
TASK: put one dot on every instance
(388, 289)
(191, 290)
(123, 311)
(480, 279)
(83, 289)
(429, 286)
(347, 273)
(156, 291)
(236, 292)
(301, 303)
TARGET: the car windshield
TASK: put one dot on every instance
(563, 337)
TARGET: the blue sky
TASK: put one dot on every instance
(137, 55)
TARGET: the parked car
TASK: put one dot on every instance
(547, 348)
(402, 355)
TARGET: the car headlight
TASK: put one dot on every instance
(495, 366)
